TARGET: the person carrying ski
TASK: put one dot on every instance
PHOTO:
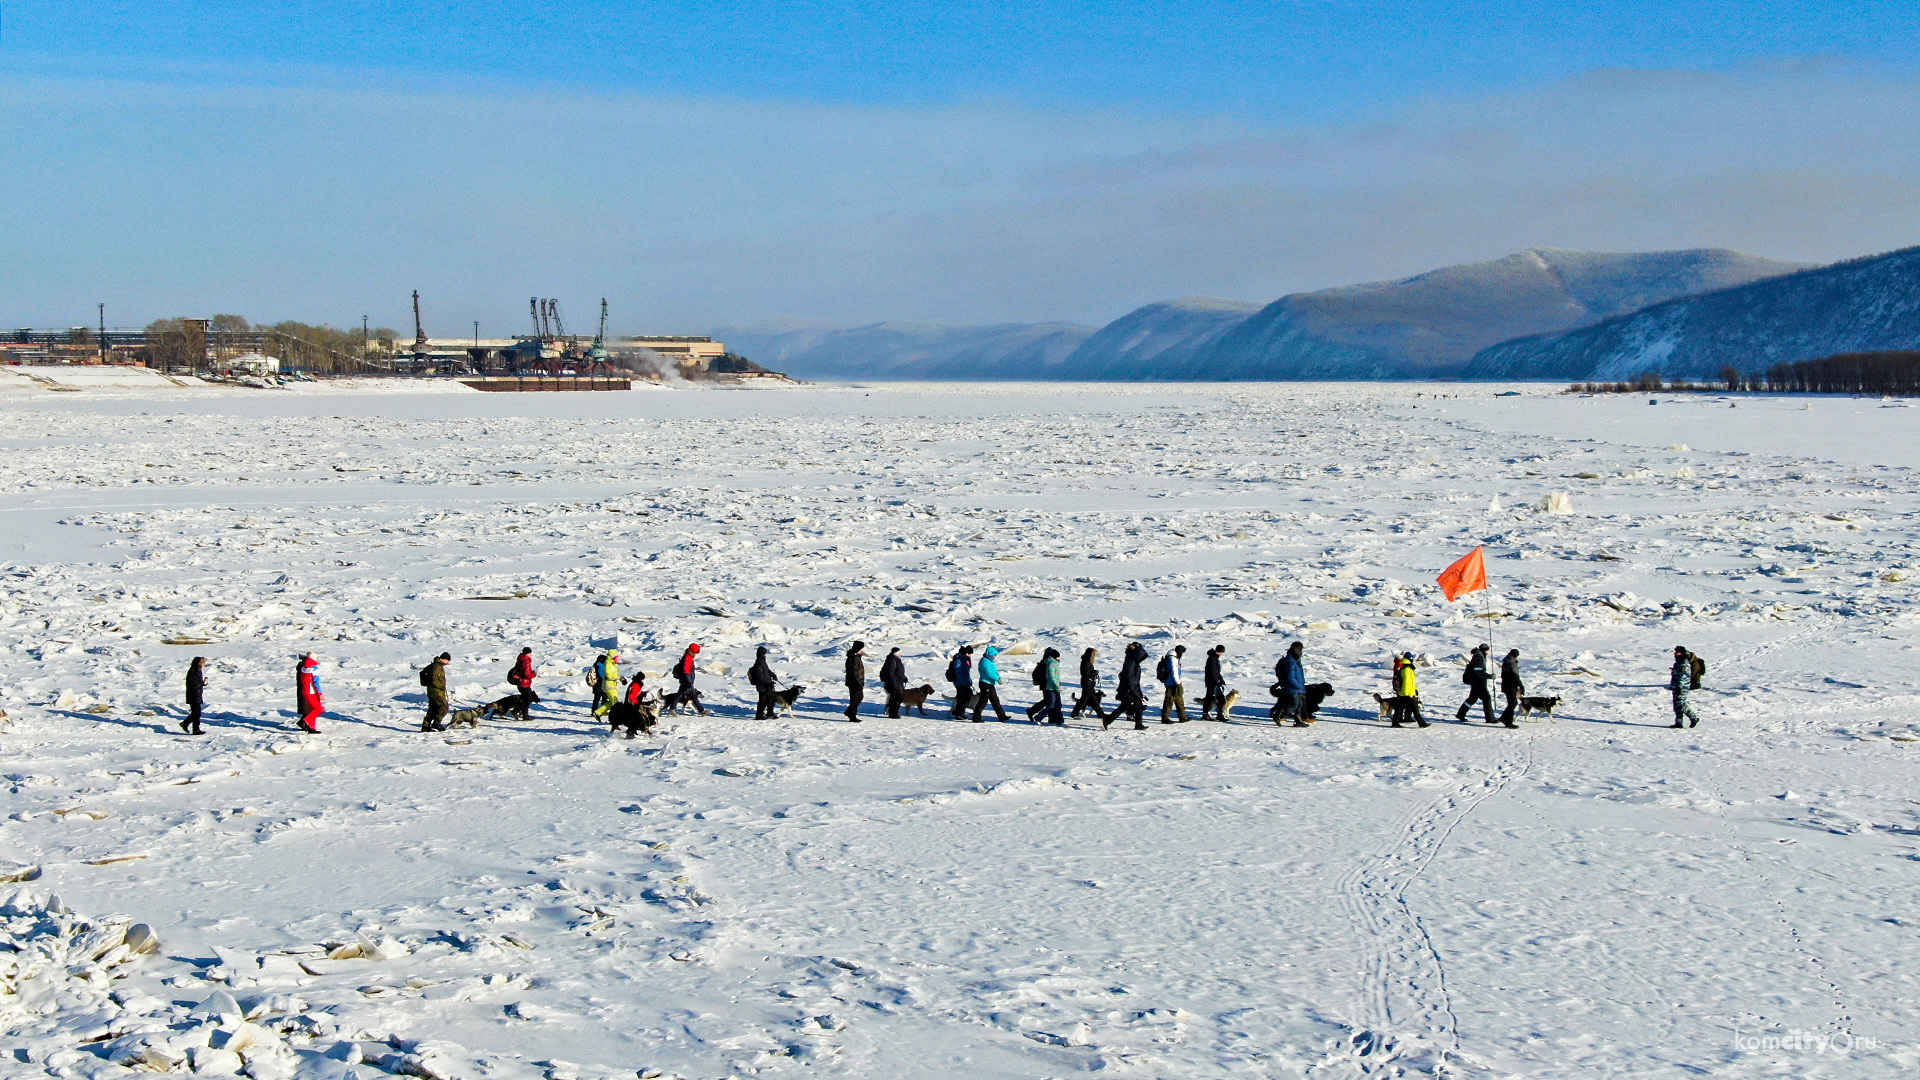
(521, 679)
(893, 677)
(434, 678)
(1682, 681)
(761, 677)
(1290, 686)
(1174, 698)
(684, 672)
(1050, 705)
(1089, 687)
(307, 696)
(989, 692)
(196, 695)
(1130, 699)
(1216, 684)
(1476, 678)
(856, 679)
(960, 674)
(1511, 688)
(1406, 692)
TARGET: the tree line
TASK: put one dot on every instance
(189, 344)
(1878, 373)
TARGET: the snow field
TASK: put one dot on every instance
(1596, 895)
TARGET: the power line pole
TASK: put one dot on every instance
(103, 332)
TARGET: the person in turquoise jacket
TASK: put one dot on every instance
(989, 691)
(1050, 688)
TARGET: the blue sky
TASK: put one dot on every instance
(708, 164)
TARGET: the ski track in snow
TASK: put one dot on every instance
(1592, 895)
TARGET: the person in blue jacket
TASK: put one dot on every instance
(960, 674)
(989, 691)
(1290, 686)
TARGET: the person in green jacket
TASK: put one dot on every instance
(434, 678)
(1050, 688)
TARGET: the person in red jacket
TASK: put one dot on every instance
(306, 692)
(521, 677)
(684, 671)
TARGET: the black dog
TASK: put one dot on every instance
(1316, 694)
(676, 701)
(638, 718)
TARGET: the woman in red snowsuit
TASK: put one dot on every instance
(306, 692)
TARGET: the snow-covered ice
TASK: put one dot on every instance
(1593, 895)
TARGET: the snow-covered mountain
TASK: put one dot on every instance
(910, 350)
(1432, 324)
(1417, 327)
(1855, 306)
(1156, 340)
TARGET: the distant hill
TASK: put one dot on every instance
(1861, 305)
(910, 350)
(1149, 342)
(1433, 324)
(1419, 327)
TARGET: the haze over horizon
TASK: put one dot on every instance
(703, 165)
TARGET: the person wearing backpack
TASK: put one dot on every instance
(893, 677)
(1476, 677)
(684, 672)
(1174, 700)
(308, 698)
(521, 679)
(1050, 687)
(434, 678)
(1290, 687)
(1216, 683)
(605, 679)
(1683, 680)
(960, 674)
(989, 692)
(1039, 683)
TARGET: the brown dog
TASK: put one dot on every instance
(915, 697)
(1386, 704)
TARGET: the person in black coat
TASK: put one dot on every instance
(1511, 688)
(1132, 699)
(763, 680)
(1216, 683)
(856, 679)
(196, 691)
(1476, 678)
(893, 676)
(1089, 687)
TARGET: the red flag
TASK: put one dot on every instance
(1467, 575)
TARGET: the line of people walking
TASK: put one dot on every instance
(976, 687)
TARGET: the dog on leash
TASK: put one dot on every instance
(1542, 705)
(784, 699)
(915, 697)
(509, 707)
(1386, 703)
(1090, 700)
(1226, 707)
(676, 701)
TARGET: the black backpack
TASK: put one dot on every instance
(953, 671)
(1040, 674)
(1164, 669)
(426, 675)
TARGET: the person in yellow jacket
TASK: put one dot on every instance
(1406, 692)
(606, 682)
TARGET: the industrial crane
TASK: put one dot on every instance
(419, 335)
(599, 350)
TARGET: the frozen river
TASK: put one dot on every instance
(1597, 895)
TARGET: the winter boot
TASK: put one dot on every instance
(186, 726)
